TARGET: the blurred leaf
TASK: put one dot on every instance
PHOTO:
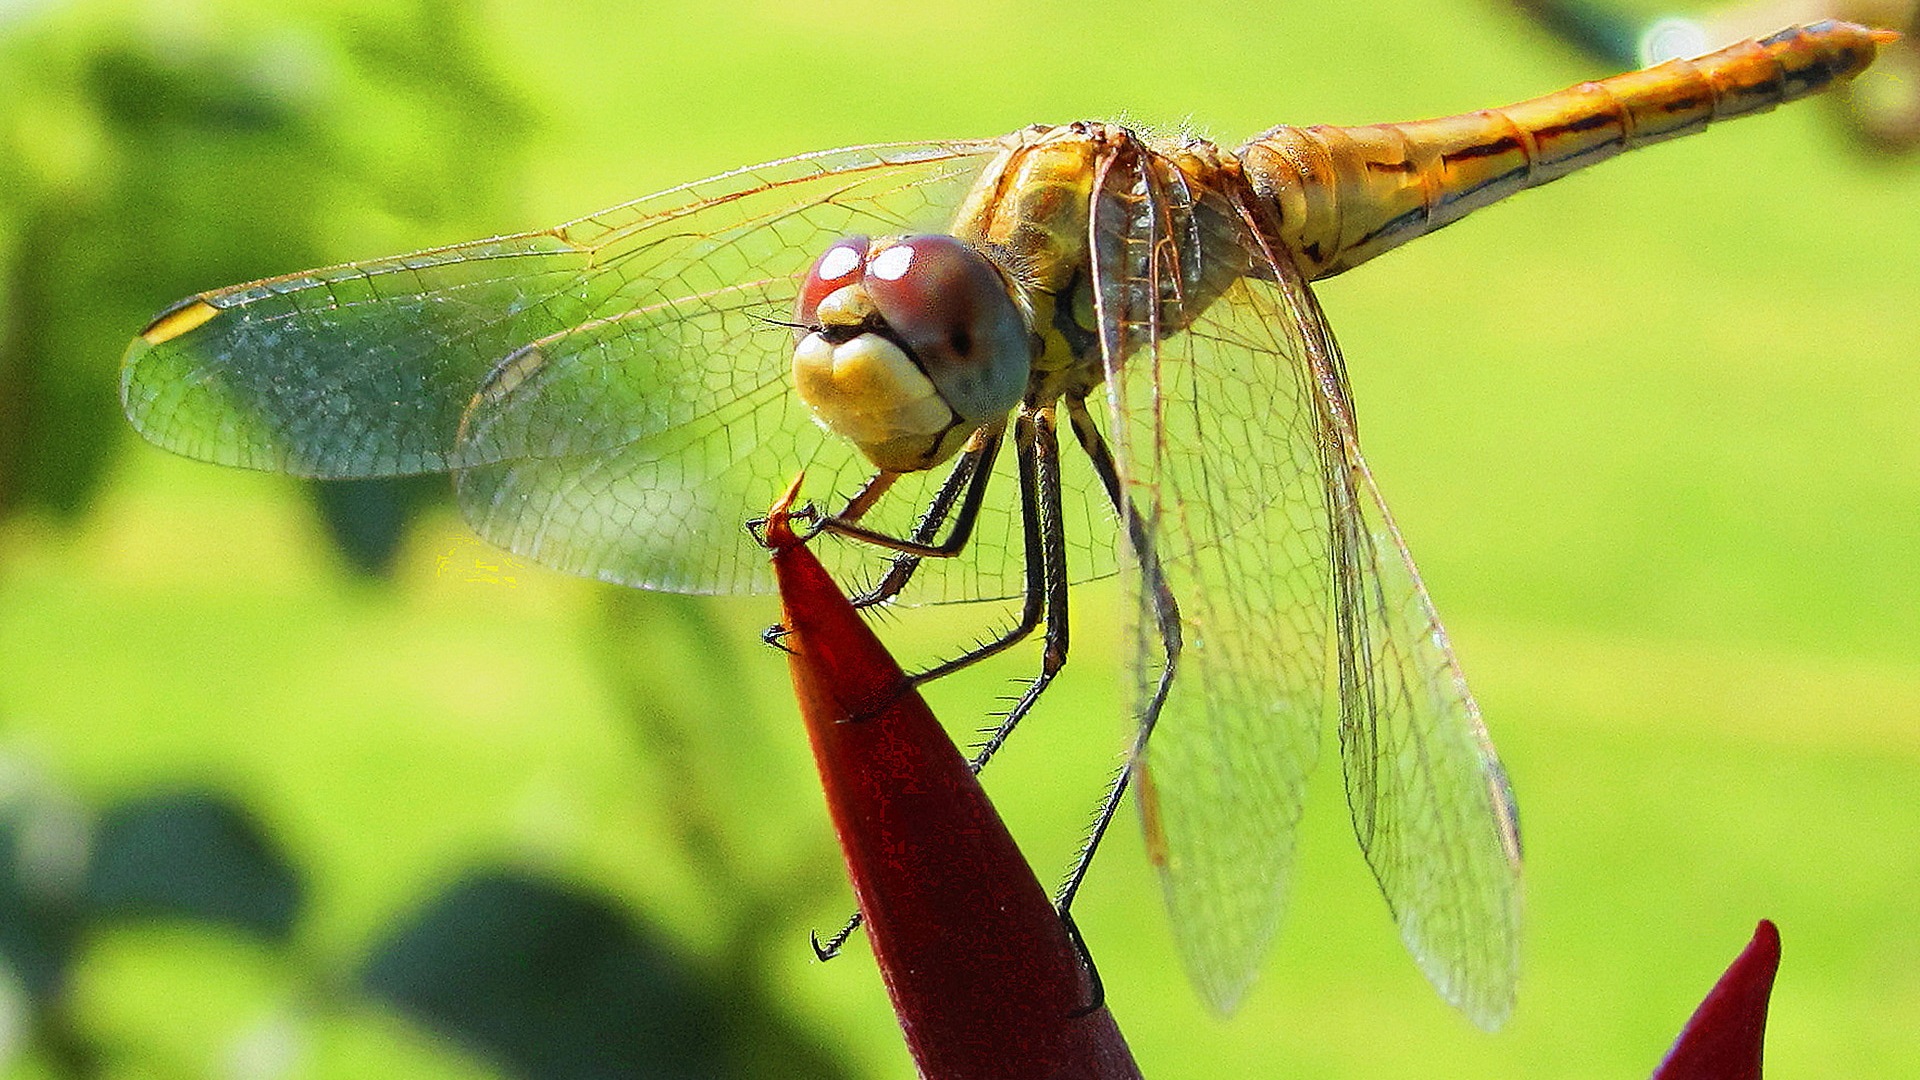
(109, 231)
(368, 518)
(138, 166)
(39, 923)
(1610, 37)
(193, 855)
(554, 983)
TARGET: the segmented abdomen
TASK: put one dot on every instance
(1346, 194)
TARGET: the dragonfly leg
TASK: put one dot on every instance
(1166, 618)
(1037, 448)
(1037, 441)
(1039, 456)
(839, 939)
(968, 478)
(847, 523)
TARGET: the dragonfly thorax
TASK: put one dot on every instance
(906, 346)
(1037, 207)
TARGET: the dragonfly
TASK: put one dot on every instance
(615, 396)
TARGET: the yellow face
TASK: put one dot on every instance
(867, 390)
(907, 346)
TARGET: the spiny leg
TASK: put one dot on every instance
(829, 949)
(969, 476)
(970, 473)
(1046, 557)
(863, 500)
(1166, 617)
(1025, 437)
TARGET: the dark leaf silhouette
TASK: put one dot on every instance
(193, 855)
(553, 983)
(39, 923)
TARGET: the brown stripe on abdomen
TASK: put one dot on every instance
(1346, 194)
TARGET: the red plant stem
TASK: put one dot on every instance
(984, 977)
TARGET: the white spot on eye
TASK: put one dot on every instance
(838, 262)
(891, 264)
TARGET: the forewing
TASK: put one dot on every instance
(634, 446)
(612, 386)
(1431, 805)
(1215, 429)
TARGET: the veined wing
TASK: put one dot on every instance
(620, 350)
(1240, 451)
(1216, 437)
(1432, 808)
(598, 463)
(1431, 804)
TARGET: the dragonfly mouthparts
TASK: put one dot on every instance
(841, 333)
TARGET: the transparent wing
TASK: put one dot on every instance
(1431, 804)
(634, 448)
(1291, 579)
(610, 390)
(1216, 437)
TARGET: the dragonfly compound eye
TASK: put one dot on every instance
(841, 265)
(908, 346)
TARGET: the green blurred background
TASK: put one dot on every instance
(1650, 432)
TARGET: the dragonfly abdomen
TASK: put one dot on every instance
(1346, 194)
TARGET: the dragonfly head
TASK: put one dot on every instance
(907, 346)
